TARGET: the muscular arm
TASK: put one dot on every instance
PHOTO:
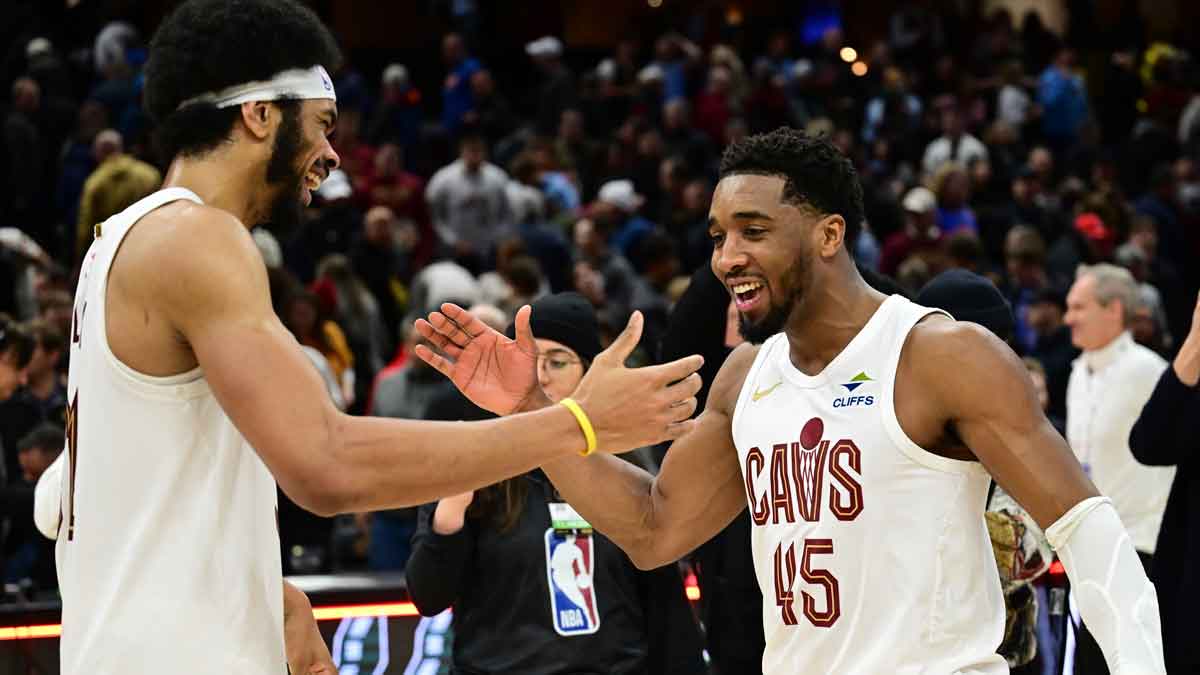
(658, 519)
(324, 460)
(987, 395)
(976, 382)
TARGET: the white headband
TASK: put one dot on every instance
(299, 83)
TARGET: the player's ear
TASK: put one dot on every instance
(831, 233)
(258, 116)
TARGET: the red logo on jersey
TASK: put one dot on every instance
(798, 470)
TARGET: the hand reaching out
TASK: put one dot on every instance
(628, 407)
(496, 373)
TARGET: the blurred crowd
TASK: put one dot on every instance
(991, 144)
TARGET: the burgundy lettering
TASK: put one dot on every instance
(781, 489)
(759, 509)
(846, 493)
(808, 476)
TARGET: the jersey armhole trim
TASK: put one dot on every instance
(891, 423)
(189, 384)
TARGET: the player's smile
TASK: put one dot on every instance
(751, 295)
(312, 181)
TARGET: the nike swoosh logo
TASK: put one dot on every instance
(765, 392)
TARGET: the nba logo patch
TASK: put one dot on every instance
(570, 559)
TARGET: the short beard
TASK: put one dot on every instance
(794, 282)
(771, 324)
(286, 210)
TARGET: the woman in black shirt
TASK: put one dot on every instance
(533, 596)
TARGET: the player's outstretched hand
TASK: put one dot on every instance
(635, 407)
(496, 373)
(628, 407)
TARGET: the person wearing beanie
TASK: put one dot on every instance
(583, 606)
(1026, 646)
(967, 296)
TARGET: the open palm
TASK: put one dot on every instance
(496, 373)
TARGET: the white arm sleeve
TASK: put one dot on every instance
(47, 498)
(1116, 599)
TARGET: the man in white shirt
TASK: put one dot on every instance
(954, 145)
(469, 203)
(1110, 383)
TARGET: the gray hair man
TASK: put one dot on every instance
(1110, 383)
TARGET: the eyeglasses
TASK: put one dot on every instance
(556, 360)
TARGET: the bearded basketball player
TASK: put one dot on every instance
(860, 430)
(189, 400)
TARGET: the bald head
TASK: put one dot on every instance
(106, 144)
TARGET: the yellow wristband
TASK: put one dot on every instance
(585, 424)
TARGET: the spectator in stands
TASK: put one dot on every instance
(16, 350)
(357, 155)
(1063, 99)
(401, 393)
(357, 312)
(1165, 435)
(472, 550)
(895, 113)
(920, 236)
(27, 152)
(557, 91)
(306, 319)
(603, 275)
(43, 398)
(577, 153)
(398, 115)
(118, 181)
(27, 554)
(388, 184)
(1109, 385)
(1014, 105)
(616, 208)
(1150, 302)
(658, 260)
(954, 145)
(468, 203)
(492, 115)
(1159, 203)
(381, 258)
(952, 186)
(78, 161)
(1025, 271)
(674, 56)
(716, 105)
(1052, 348)
(1037, 372)
(456, 90)
(680, 139)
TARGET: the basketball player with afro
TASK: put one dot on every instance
(189, 401)
(860, 430)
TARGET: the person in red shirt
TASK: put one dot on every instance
(386, 183)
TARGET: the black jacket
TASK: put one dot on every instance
(498, 585)
(1168, 433)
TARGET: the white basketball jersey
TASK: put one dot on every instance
(872, 553)
(168, 548)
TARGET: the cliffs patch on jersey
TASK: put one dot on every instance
(861, 398)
